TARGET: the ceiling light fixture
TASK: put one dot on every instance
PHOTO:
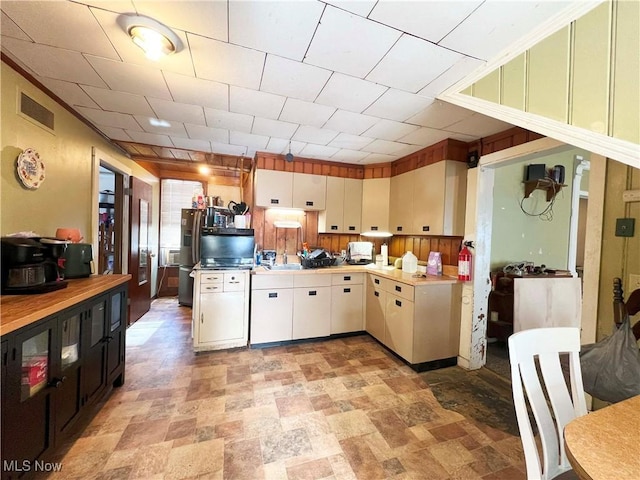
(155, 39)
(289, 156)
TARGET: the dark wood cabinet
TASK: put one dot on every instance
(53, 370)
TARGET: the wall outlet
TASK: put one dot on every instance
(634, 284)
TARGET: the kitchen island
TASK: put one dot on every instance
(62, 351)
(416, 317)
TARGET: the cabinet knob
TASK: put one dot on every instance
(202, 318)
(57, 382)
(107, 339)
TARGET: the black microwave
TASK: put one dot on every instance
(227, 248)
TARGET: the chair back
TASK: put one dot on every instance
(535, 365)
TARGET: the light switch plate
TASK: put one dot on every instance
(625, 227)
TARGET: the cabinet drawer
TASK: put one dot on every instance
(314, 280)
(211, 287)
(213, 277)
(234, 282)
(400, 290)
(379, 283)
(347, 279)
(266, 282)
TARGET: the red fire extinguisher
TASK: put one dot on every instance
(464, 262)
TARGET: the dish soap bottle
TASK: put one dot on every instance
(409, 262)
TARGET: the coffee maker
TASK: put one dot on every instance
(26, 267)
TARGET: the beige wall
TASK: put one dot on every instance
(64, 198)
(518, 237)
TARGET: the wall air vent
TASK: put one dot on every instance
(35, 111)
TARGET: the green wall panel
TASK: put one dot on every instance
(589, 106)
(488, 88)
(513, 83)
(549, 76)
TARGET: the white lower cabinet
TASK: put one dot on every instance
(311, 312)
(398, 332)
(346, 308)
(220, 309)
(375, 307)
(271, 308)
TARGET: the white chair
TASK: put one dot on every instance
(545, 345)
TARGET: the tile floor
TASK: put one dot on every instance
(338, 409)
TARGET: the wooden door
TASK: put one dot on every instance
(139, 251)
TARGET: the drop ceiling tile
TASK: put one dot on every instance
(248, 139)
(461, 69)
(424, 137)
(496, 25)
(177, 112)
(349, 93)
(202, 18)
(352, 142)
(462, 137)
(195, 91)
(253, 102)
(122, 102)
(199, 132)
(378, 158)
(307, 113)
(130, 78)
(228, 120)
(408, 150)
(116, 133)
(349, 122)
(83, 34)
(69, 92)
(384, 146)
(277, 145)
(273, 128)
(318, 151)
(224, 149)
(348, 43)
(296, 147)
(440, 115)
(191, 144)
(479, 126)
(109, 119)
(430, 20)
(9, 29)
(226, 63)
(150, 138)
(53, 62)
(359, 7)
(129, 52)
(315, 135)
(346, 155)
(397, 105)
(389, 130)
(293, 79)
(419, 61)
(282, 28)
(173, 128)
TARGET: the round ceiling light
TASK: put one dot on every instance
(155, 39)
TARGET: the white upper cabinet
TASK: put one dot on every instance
(274, 189)
(375, 204)
(343, 210)
(401, 208)
(309, 191)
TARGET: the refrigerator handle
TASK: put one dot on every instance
(196, 232)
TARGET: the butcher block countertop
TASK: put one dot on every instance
(17, 311)
(388, 272)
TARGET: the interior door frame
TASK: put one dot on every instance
(98, 157)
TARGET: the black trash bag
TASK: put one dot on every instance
(611, 367)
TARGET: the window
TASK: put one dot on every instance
(174, 196)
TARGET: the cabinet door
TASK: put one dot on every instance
(311, 312)
(401, 203)
(375, 310)
(428, 194)
(309, 191)
(375, 204)
(352, 219)
(221, 317)
(273, 188)
(116, 335)
(331, 219)
(271, 315)
(94, 326)
(346, 308)
(399, 326)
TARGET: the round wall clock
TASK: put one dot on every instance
(30, 169)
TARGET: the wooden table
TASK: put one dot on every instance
(605, 444)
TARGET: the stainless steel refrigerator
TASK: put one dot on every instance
(191, 225)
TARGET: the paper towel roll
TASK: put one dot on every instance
(384, 250)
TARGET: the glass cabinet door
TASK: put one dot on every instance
(70, 341)
(35, 364)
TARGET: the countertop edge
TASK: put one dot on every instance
(13, 307)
